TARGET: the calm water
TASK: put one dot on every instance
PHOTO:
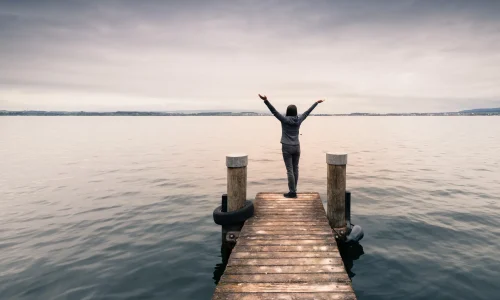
(120, 207)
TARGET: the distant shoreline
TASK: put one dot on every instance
(229, 114)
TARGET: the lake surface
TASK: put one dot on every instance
(121, 207)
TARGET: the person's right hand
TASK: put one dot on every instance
(320, 101)
(263, 97)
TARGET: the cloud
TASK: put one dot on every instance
(361, 55)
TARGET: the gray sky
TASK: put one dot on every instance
(362, 56)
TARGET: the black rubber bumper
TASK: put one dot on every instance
(234, 217)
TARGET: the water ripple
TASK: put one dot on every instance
(131, 219)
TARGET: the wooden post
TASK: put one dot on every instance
(336, 185)
(236, 181)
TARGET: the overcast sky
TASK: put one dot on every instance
(362, 56)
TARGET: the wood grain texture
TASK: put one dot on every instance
(284, 287)
(283, 227)
(284, 210)
(286, 251)
(262, 222)
(283, 261)
(282, 230)
(285, 296)
(335, 191)
(236, 188)
(292, 278)
(301, 249)
(281, 254)
(283, 269)
(291, 236)
(286, 242)
(290, 218)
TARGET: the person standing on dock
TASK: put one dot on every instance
(290, 125)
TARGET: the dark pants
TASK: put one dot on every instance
(291, 156)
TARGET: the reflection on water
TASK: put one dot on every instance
(121, 207)
(225, 252)
(349, 253)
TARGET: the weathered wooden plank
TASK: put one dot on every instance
(288, 202)
(301, 249)
(340, 277)
(260, 210)
(276, 194)
(260, 213)
(280, 196)
(284, 261)
(303, 217)
(264, 222)
(261, 206)
(281, 226)
(276, 206)
(284, 287)
(285, 200)
(284, 269)
(284, 218)
(291, 204)
(285, 237)
(283, 208)
(299, 197)
(284, 227)
(316, 210)
(285, 296)
(285, 232)
(252, 231)
(239, 253)
(280, 193)
(263, 209)
(285, 242)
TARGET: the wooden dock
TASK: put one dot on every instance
(286, 251)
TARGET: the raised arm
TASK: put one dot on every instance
(272, 109)
(307, 112)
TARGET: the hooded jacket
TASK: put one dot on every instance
(290, 125)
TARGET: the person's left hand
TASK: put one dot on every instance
(263, 97)
(320, 101)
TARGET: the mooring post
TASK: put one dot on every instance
(336, 186)
(236, 191)
(236, 181)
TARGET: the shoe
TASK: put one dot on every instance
(290, 195)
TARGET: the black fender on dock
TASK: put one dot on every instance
(233, 217)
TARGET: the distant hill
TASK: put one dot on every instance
(482, 110)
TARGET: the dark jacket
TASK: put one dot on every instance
(290, 125)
